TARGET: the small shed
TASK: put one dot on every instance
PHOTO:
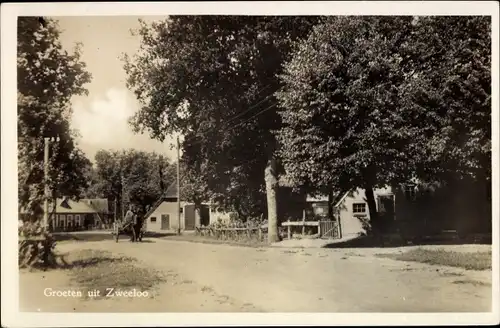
(162, 217)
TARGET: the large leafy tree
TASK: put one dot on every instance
(213, 78)
(48, 77)
(374, 101)
(131, 177)
(450, 58)
(344, 123)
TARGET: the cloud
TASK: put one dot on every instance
(102, 123)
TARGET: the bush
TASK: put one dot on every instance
(237, 230)
(36, 246)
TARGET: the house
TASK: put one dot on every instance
(71, 215)
(162, 216)
(351, 209)
(415, 208)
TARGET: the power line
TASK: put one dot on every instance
(232, 119)
(241, 123)
(249, 119)
(249, 109)
(253, 106)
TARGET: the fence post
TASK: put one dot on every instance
(289, 230)
(319, 229)
(260, 232)
(303, 222)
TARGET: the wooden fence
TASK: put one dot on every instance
(232, 233)
(329, 229)
(326, 229)
(303, 224)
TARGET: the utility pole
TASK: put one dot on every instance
(46, 183)
(178, 189)
(123, 203)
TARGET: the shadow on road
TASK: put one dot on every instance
(159, 235)
(373, 242)
(101, 236)
(85, 236)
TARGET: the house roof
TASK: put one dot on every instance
(84, 206)
(341, 196)
(170, 193)
(337, 197)
(99, 204)
(67, 205)
(171, 190)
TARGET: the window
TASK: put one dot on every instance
(410, 192)
(359, 208)
(77, 220)
(153, 219)
(181, 210)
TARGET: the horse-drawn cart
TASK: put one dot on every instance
(125, 228)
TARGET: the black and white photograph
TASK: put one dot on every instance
(250, 162)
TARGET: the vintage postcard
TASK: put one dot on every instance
(250, 163)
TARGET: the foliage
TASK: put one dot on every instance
(344, 123)
(212, 79)
(91, 271)
(142, 177)
(450, 58)
(466, 260)
(237, 230)
(36, 246)
(375, 101)
(48, 77)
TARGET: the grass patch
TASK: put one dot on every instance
(100, 270)
(472, 282)
(452, 274)
(207, 289)
(466, 260)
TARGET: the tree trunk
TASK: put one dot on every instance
(330, 205)
(271, 179)
(372, 209)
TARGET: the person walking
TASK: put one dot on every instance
(130, 220)
(138, 225)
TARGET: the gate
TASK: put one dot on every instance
(329, 229)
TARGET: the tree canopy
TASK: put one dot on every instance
(48, 77)
(140, 177)
(375, 101)
(451, 85)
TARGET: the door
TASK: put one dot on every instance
(165, 222)
(189, 217)
(204, 215)
(386, 211)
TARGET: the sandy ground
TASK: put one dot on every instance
(220, 278)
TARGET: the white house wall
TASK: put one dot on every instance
(165, 208)
(349, 223)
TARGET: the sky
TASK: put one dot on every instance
(101, 117)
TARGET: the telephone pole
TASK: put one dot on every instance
(122, 201)
(114, 214)
(46, 183)
(178, 189)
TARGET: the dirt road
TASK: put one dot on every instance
(298, 280)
